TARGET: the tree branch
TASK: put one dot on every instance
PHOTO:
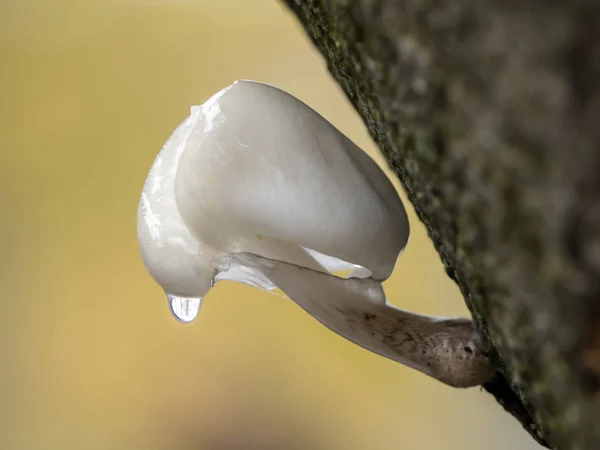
(488, 110)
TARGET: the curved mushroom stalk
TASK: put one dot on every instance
(256, 187)
(447, 349)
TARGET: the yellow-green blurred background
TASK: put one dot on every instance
(90, 356)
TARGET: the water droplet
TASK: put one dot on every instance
(184, 309)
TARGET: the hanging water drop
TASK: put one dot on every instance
(184, 309)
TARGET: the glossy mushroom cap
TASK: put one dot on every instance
(256, 170)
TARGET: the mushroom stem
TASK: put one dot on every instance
(447, 349)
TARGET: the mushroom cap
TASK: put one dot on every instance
(256, 170)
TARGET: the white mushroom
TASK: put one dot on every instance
(256, 187)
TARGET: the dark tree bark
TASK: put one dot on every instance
(489, 112)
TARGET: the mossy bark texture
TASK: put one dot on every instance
(489, 112)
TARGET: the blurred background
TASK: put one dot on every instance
(90, 356)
